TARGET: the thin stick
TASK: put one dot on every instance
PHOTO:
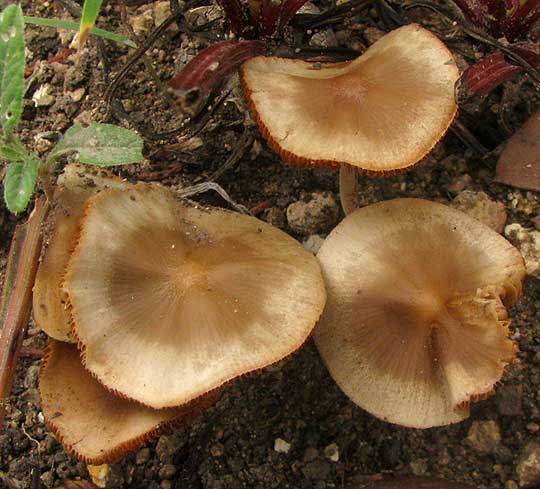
(15, 306)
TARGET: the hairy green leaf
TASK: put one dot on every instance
(74, 26)
(19, 184)
(11, 149)
(12, 64)
(89, 15)
(101, 145)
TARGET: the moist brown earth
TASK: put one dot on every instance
(330, 442)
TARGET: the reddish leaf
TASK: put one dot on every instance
(521, 21)
(213, 64)
(519, 163)
(476, 11)
(236, 16)
(488, 73)
(269, 17)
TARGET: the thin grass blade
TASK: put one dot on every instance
(88, 19)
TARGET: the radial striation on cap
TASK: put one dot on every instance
(415, 326)
(381, 112)
(170, 301)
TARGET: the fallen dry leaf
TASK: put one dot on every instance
(519, 163)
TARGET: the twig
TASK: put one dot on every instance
(18, 282)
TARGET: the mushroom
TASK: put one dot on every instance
(382, 112)
(75, 185)
(170, 301)
(415, 327)
(91, 422)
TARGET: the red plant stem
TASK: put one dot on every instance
(521, 21)
(476, 11)
(487, 74)
(17, 291)
(236, 16)
(269, 17)
(213, 64)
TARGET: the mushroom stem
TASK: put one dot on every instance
(348, 188)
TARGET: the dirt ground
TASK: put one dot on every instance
(330, 442)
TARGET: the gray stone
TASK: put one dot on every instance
(313, 243)
(143, 455)
(528, 244)
(167, 472)
(324, 39)
(318, 215)
(484, 436)
(528, 467)
(479, 206)
(31, 377)
(167, 446)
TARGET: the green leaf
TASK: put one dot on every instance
(101, 145)
(89, 15)
(12, 64)
(11, 149)
(19, 184)
(74, 26)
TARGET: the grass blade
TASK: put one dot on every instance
(89, 15)
(74, 26)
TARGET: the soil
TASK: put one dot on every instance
(233, 445)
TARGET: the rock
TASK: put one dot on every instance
(309, 8)
(281, 446)
(479, 206)
(372, 34)
(536, 222)
(275, 217)
(325, 38)
(528, 244)
(509, 399)
(318, 215)
(143, 455)
(484, 436)
(313, 243)
(42, 97)
(167, 472)
(100, 474)
(77, 94)
(331, 452)
(528, 467)
(317, 470)
(419, 466)
(142, 21)
(31, 377)
(167, 446)
(459, 183)
(199, 16)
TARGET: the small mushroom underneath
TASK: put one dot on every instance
(92, 423)
(415, 327)
(170, 301)
(75, 185)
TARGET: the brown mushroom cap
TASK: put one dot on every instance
(170, 301)
(415, 327)
(75, 185)
(93, 424)
(380, 112)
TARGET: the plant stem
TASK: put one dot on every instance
(16, 294)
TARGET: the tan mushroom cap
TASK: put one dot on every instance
(415, 325)
(383, 111)
(93, 424)
(75, 185)
(170, 301)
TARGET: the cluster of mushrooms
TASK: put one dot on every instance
(153, 303)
